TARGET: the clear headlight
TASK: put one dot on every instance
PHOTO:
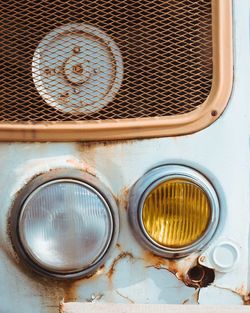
(65, 226)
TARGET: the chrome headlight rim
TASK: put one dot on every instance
(76, 176)
(147, 183)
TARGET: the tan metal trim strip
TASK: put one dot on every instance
(188, 123)
(78, 307)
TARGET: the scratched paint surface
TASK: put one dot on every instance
(131, 274)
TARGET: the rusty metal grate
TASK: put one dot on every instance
(166, 48)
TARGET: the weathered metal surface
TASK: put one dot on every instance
(133, 275)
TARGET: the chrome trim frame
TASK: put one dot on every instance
(146, 184)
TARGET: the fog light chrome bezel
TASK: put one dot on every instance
(146, 184)
(45, 179)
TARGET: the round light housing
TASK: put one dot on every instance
(65, 225)
(174, 210)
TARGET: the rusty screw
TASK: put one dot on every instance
(214, 113)
(48, 71)
(76, 49)
(202, 259)
(78, 69)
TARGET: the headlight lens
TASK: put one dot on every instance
(65, 226)
(174, 210)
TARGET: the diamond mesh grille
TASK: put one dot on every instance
(166, 46)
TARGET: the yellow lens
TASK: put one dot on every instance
(176, 213)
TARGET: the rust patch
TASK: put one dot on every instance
(61, 307)
(83, 166)
(121, 256)
(241, 290)
(199, 276)
(155, 260)
(118, 245)
(94, 298)
(53, 292)
(123, 200)
(49, 290)
(78, 69)
(70, 287)
(83, 146)
(245, 296)
(182, 268)
(246, 299)
(174, 266)
(69, 291)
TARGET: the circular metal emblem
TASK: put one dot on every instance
(77, 69)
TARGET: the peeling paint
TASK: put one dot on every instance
(118, 245)
(181, 268)
(194, 299)
(123, 199)
(177, 267)
(52, 291)
(246, 299)
(94, 298)
(245, 296)
(238, 292)
(86, 146)
(121, 256)
(83, 166)
(61, 306)
(71, 287)
(124, 297)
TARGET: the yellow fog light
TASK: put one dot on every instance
(174, 210)
(176, 213)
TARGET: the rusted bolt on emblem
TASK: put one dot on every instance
(78, 69)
